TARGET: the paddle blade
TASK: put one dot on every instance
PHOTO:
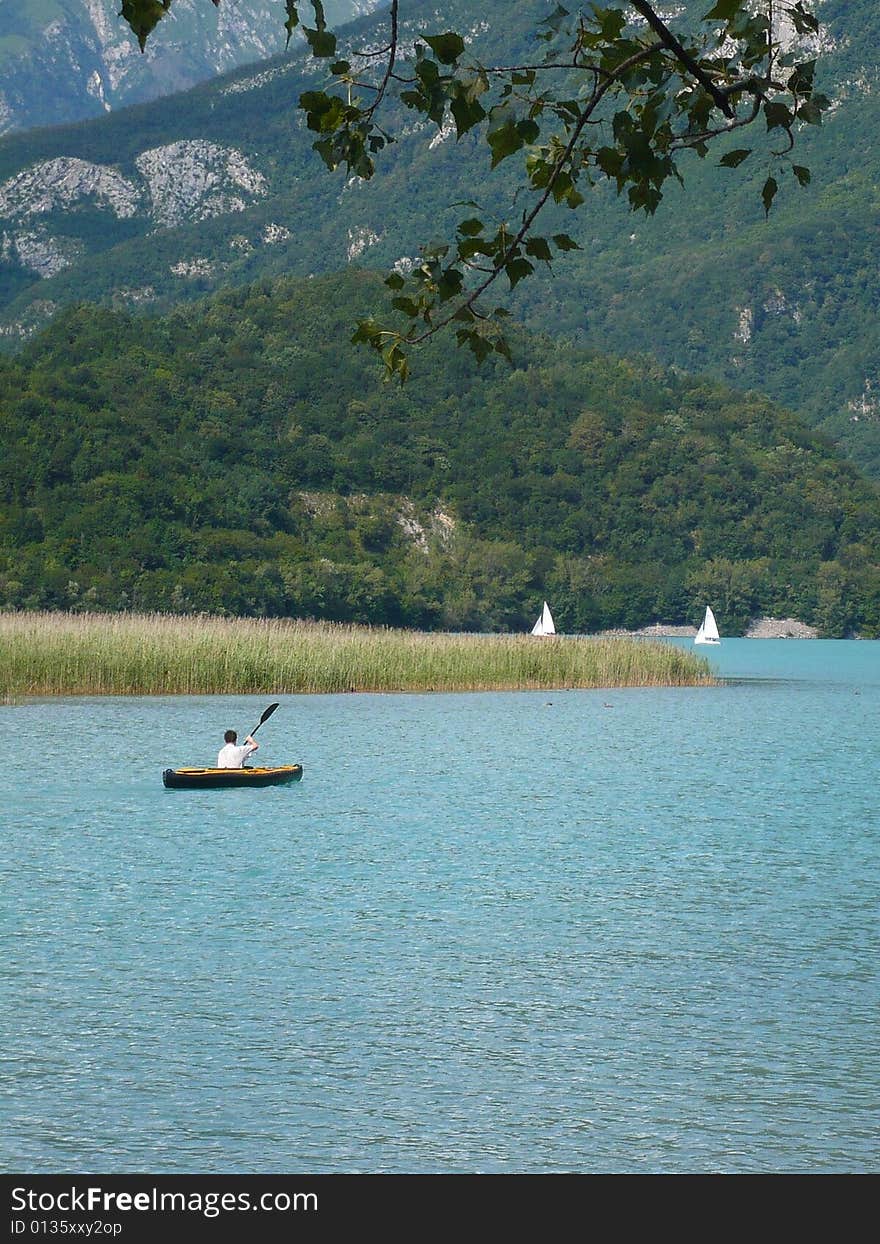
(268, 713)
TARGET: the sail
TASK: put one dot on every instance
(710, 626)
(708, 632)
(544, 625)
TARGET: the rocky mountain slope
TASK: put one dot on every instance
(159, 204)
(65, 60)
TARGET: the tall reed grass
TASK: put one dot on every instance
(161, 654)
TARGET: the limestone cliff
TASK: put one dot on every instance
(94, 64)
(174, 184)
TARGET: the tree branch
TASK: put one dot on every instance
(691, 140)
(389, 70)
(529, 219)
(668, 39)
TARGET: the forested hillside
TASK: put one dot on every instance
(241, 456)
(162, 203)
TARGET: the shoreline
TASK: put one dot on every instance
(759, 628)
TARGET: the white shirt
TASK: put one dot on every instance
(233, 757)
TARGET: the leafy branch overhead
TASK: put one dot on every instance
(610, 94)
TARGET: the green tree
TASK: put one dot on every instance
(836, 610)
(613, 98)
(734, 588)
(625, 495)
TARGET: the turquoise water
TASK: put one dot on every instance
(577, 931)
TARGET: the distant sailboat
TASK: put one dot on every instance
(544, 625)
(708, 632)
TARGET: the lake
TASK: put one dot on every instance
(589, 931)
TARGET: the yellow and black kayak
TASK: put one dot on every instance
(215, 779)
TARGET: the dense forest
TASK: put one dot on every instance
(788, 305)
(240, 456)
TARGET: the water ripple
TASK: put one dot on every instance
(476, 937)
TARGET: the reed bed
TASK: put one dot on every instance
(165, 654)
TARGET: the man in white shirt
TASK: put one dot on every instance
(232, 757)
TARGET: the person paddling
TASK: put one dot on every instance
(232, 757)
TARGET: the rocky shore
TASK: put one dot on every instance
(761, 628)
(657, 630)
(780, 628)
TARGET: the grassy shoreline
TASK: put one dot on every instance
(45, 654)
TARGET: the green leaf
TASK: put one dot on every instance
(644, 197)
(724, 10)
(449, 284)
(395, 362)
(324, 113)
(610, 161)
(564, 243)
(609, 23)
(447, 48)
(778, 116)
(415, 100)
(427, 72)
(395, 281)
(562, 184)
(516, 269)
(803, 174)
(468, 247)
(466, 113)
(291, 7)
(540, 171)
(368, 332)
(407, 306)
(475, 342)
(801, 80)
(734, 158)
(470, 228)
(504, 141)
(554, 21)
(811, 109)
(322, 42)
(539, 248)
(143, 15)
(803, 22)
(768, 193)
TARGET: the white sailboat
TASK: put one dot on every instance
(708, 632)
(544, 625)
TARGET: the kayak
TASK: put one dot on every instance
(214, 779)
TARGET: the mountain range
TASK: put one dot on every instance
(161, 203)
(92, 60)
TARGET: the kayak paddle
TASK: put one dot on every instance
(268, 713)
